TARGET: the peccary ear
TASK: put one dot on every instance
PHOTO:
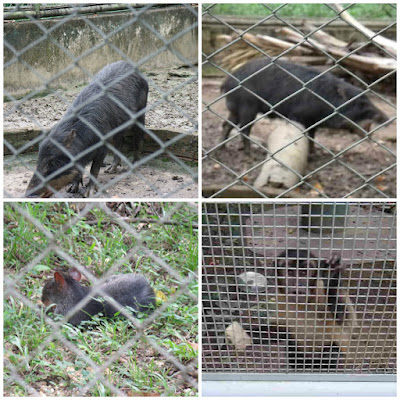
(60, 281)
(75, 274)
(70, 138)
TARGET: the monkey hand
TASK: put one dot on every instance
(334, 262)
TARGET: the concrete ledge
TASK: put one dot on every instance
(185, 147)
(291, 389)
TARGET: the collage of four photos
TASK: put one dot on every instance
(199, 200)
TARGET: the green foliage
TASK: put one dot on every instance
(362, 11)
(99, 242)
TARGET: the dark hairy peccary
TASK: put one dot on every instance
(92, 115)
(274, 84)
(65, 291)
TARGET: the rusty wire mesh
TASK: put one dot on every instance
(343, 163)
(253, 324)
(53, 51)
(150, 354)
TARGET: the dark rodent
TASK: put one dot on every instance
(65, 291)
(93, 114)
(272, 83)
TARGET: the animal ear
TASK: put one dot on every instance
(75, 274)
(70, 138)
(60, 281)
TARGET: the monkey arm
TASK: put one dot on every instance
(336, 302)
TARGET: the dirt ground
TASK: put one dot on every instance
(161, 177)
(344, 177)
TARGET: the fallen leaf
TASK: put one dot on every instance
(380, 178)
(160, 297)
(194, 346)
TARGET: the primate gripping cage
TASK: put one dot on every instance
(344, 163)
(52, 52)
(251, 328)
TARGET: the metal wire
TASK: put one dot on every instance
(170, 101)
(253, 322)
(235, 176)
(15, 371)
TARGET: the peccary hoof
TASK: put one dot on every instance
(74, 188)
(112, 169)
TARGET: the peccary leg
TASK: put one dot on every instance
(247, 115)
(227, 126)
(113, 168)
(74, 188)
(138, 145)
(311, 134)
(94, 170)
(138, 150)
(118, 143)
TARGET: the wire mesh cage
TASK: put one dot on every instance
(93, 86)
(307, 105)
(299, 288)
(118, 286)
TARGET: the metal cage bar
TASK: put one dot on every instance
(299, 289)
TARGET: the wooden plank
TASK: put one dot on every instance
(186, 147)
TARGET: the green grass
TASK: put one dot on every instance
(98, 243)
(363, 11)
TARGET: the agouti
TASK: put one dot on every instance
(65, 291)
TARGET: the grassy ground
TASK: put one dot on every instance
(42, 359)
(363, 11)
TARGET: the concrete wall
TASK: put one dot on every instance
(77, 39)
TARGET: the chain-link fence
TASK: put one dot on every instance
(148, 347)
(299, 288)
(82, 81)
(299, 106)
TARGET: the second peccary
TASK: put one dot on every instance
(297, 93)
(65, 291)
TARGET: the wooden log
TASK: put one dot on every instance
(323, 36)
(388, 44)
(264, 42)
(186, 147)
(241, 51)
(288, 161)
(369, 64)
(306, 60)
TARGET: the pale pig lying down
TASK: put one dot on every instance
(289, 148)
